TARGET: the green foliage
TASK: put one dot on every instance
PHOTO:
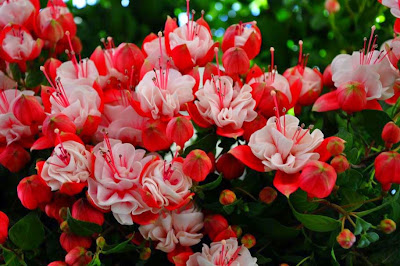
(82, 228)
(27, 233)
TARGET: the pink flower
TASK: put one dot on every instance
(276, 80)
(166, 184)
(226, 105)
(78, 102)
(11, 129)
(118, 127)
(394, 7)
(78, 73)
(225, 252)
(6, 82)
(162, 93)
(283, 145)
(16, 12)
(117, 168)
(175, 227)
(156, 51)
(17, 44)
(69, 163)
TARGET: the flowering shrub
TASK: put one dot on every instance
(185, 152)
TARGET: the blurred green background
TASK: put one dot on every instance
(282, 22)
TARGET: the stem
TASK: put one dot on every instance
(362, 202)
(303, 260)
(245, 192)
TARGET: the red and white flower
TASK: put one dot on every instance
(20, 12)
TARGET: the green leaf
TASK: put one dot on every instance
(351, 196)
(122, 247)
(335, 262)
(348, 137)
(317, 223)
(361, 226)
(95, 262)
(389, 201)
(212, 185)
(27, 233)
(300, 202)
(82, 228)
(231, 207)
(372, 237)
(15, 71)
(34, 79)
(262, 260)
(11, 259)
(363, 242)
(206, 143)
(371, 122)
(271, 228)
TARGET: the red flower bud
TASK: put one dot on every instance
(82, 210)
(57, 121)
(327, 77)
(318, 179)
(225, 234)
(100, 242)
(387, 169)
(251, 127)
(268, 195)
(227, 197)
(214, 224)
(237, 229)
(178, 250)
(78, 256)
(33, 192)
(53, 32)
(352, 96)
(387, 226)
(179, 130)
(28, 110)
(346, 239)
(340, 164)
(99, 60)
(154, 136)
(332, 6)
(70, 241)
(50, 67)
(235, 61)
(58, 202)
(229, 166)
(391, 134)
(145, 254)
(3, 227)
(14, 157)
(197, 165)
(181, 258)
(57, 263)
(128, 59)
(248, 241)
(335, 146)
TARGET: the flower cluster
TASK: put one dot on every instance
(137, 136)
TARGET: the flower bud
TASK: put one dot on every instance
(318, 179)
(4, 221)
(64, 227)
(14, 157)
(181, 258)
(78, 256)
(57, 121)
(100, 242)
(248, 240)
(391, 134)
(154, 136)
(28, 110)
(335, 146)
(50, 67)
(352, 96)
(340, 164)
(387, 226)
(145, 253)
(214, 224)
(235, 61)
(33, 192)
(332, 6)
(197, 165)
(227, 197)
(238, 230)
(225, 234)
(57, 263)
(128, 59)
(179, 130)
(386, 168)
(58, 206)
(70, 241)
(327, 77)
(268, 195)
(176, 253)
(346, 239)
(229, 166)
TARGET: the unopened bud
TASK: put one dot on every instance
(227, 197)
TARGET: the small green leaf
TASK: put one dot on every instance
(345, 135)
(82, 228)
(363, 242)
(207, 144)
(33, 79)
(335, 262)
(15, 71)
(95, 262)
(11, 259)
(389, 201)
(212, 185)
(231, 207)
(27, 233)
(300, 202)
(361, 226)
(262, 260)
(317, 223)
(372, 237)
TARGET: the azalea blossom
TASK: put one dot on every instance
(225, 104)
(117, 170)
(161, 93)
(224, 252)
(69, 163)
(176, 227)
(283, 145)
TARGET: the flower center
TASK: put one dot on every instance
(192, 29)
(222, 259)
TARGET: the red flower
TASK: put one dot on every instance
(214, 224)
(235, 61)
(340, 164)
(268, 195)
(229, 166)
(227, 197)
(179, 130)
(59, 201)
(318, 179)
(82, 210)
(33, 192)
(28, 110)
(346, 239)
(70, 241)
(391, 134)
(78, 257)
(387, 169)
(14, 157)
